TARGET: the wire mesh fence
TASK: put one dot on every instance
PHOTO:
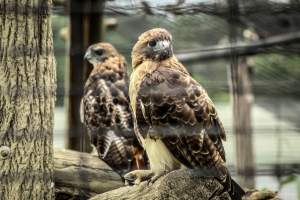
(268, 39)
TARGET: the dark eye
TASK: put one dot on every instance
(99, 52)
(152, 43)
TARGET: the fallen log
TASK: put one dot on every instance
(81, 175)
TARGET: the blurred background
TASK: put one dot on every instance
(245, 53)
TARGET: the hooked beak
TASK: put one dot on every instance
(164, 49)
(87, 55)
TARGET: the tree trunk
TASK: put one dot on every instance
(27, 94)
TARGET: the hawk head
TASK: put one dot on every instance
(155, 44)
(98, 53)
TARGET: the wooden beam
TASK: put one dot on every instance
(240, 86)
(85, 29)
(240, 49)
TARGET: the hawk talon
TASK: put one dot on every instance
(157, 176)
(137, 176)
(129, 179)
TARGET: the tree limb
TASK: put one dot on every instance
(81, 175)
(180, 184)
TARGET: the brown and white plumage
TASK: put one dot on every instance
(105, 109)
(175, 120)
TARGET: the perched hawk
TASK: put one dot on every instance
(105, 109)
(174, 118)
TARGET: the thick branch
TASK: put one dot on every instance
(181, 184)
(240, 49)
(80, 175)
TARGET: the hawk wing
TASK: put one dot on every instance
(105, 105)
(106, 113)
(172, 103)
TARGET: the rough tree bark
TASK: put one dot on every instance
(27, 94)
(79, 176)
(180, 184)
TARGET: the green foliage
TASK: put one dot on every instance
(221, 97)
(276, 74)
(287, 180)
(216, 92)
(298, 186)
(276, 66)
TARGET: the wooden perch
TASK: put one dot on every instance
(180, 184)
(240, 49)
(81, 175)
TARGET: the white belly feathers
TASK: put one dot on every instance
(159, 156)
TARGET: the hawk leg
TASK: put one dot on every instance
(156, 176)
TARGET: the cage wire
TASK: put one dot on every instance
(270, 33)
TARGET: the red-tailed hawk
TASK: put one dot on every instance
(174, 118)
(105, 109)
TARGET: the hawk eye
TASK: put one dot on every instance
(99, 52)
(152, 43)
